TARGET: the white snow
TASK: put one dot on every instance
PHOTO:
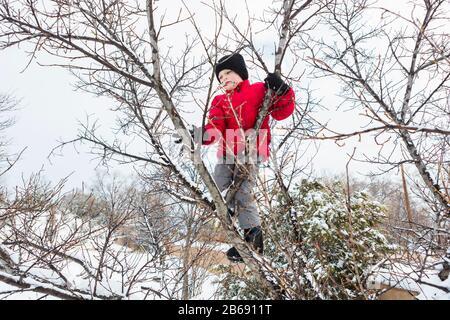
(142, 270)
(426, 284)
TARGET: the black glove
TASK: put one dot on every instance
(195, 134)
(274, 82)
(180, 139)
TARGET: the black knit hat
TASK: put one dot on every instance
(233, 62)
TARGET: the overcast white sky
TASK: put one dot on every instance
(50, 111)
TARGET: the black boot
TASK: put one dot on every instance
(255, 237)
(233, 255)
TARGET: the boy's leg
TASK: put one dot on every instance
(245, 201)
(245, 204)
(223, 175)
(248, 216)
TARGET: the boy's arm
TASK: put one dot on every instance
(215, 127)
(283, 106)
(283, 97)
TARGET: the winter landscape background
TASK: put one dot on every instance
(98, 202)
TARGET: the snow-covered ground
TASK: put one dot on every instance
(425, 283)
(164, 279)
(138, 275)
(70, 266)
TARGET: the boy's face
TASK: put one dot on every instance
(229, 79)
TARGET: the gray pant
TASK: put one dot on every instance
(244, 203)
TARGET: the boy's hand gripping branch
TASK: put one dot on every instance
(274, 82)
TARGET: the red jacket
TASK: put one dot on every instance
(234, 113)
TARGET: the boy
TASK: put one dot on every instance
(231, 116)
